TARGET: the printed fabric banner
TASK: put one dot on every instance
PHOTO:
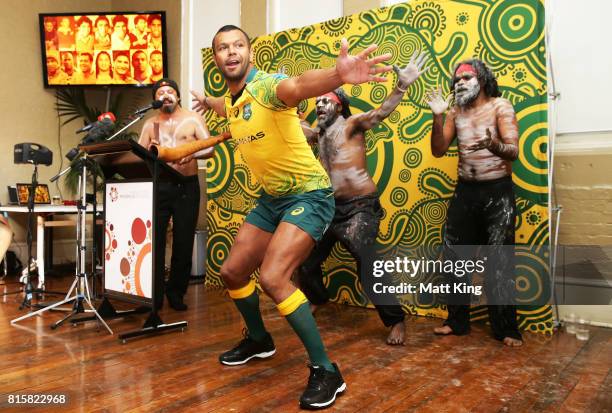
(415, 187)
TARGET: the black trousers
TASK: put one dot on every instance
(181, 202)
(483, 213)
(355, 226)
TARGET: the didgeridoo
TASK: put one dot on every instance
(180, 152)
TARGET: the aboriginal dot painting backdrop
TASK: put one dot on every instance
(415, 187)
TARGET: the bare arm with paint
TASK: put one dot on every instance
(405, 77)
(349, 69)
(147, 137)
(200, 132)
(442, 131)
(506, 146)
(312, 134)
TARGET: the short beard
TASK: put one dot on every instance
(239, 76)
(168, 109)
(467, 97)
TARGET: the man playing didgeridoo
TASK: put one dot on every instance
(342, 149)
(174, 126)
(482, 210)
(297, 203)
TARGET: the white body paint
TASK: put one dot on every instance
(472, 124)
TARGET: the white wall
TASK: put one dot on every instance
(287, 14)
(201, 20)
(580, 36)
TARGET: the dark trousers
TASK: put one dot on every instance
(355, 226)
(181, 202)
(483, 213)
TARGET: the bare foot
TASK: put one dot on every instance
(397, 334)
(512, 342)
(443, 331)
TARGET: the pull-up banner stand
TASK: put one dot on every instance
(130, 207)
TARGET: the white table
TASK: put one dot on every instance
(42, 211)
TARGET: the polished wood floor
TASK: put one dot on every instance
(179, 371)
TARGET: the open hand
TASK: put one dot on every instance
(199, 102)
(412, 71)
(436, 101)
(482, 143)
(359, 69)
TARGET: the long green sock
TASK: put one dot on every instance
(296, 310)
(247, 302)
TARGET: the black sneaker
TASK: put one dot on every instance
(323, 387)
(248, 349)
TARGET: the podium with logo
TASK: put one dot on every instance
(132, 175)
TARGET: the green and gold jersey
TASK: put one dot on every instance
(270, 138)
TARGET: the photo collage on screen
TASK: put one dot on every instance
(106, 49)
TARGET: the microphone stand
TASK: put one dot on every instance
(138, 116)
(29, 288)
(79, 292)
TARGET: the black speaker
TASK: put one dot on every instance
(12, 192)
(33, 153)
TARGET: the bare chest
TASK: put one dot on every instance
(176, 132)
(473, 124)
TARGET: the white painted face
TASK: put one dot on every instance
(467, 88)
(169, 97)
(327, 111)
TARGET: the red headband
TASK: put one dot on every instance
(466, 68)
(332, 96)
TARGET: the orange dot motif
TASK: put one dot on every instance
(139, 247)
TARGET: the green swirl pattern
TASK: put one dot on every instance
(415, 188)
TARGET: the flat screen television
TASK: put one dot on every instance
(103, 49)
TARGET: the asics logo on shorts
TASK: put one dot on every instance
(297, 211)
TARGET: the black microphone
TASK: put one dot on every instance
(102, 116)
(86, 127)
(100, 130)
(156, 104)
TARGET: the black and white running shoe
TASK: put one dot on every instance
(323, 387)
(248, 349)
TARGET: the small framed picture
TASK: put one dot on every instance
(41, 196)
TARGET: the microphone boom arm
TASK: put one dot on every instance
(114, 135)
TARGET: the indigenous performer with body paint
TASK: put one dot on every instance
(171, 127)
(342, 149)
(297, 203)
(482, 210)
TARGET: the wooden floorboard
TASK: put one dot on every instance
(180, 372)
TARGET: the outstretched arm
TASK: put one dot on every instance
(349, 69)
(442, 132)
(405, 77)
(202, 103)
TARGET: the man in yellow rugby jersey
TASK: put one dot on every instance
(297, 203)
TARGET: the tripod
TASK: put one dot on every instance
(78, 293)
(29, 288)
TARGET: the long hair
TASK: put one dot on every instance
(110, 63)
(344, 100)
(483, 73)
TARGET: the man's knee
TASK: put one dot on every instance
(231, 274)
(271, 283)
